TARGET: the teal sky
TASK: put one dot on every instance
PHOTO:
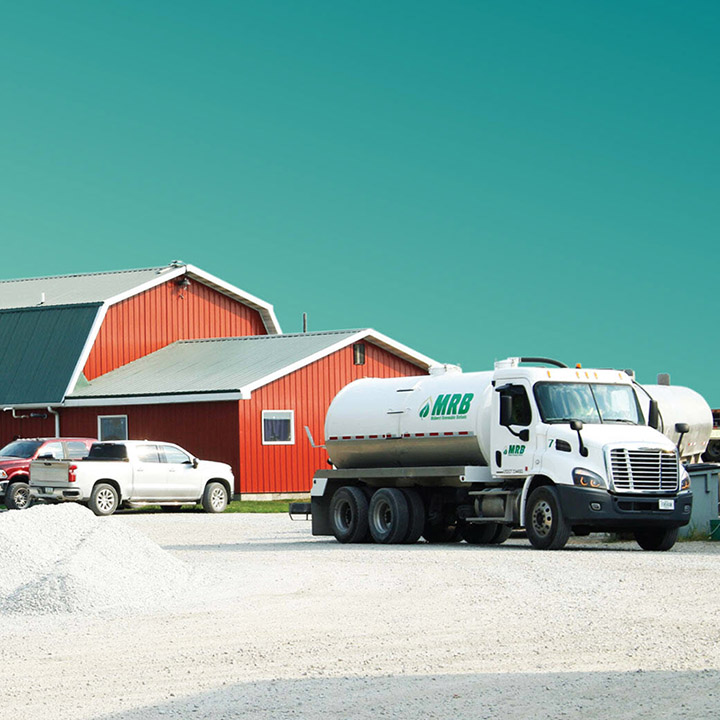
(474, 179)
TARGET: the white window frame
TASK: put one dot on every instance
(111, 417)
(278, 415)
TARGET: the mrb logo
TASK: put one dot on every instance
(514, 450)
(453, 406)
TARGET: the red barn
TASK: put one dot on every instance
(177, 354)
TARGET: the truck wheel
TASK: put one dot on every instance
(349, 515)
(502, 533)
(104, 499)
(389, 516)
(712, 452)
(215, 498)
(546, 527)
(441, 533)
(478, 533)
(656, 538)
(17, 496)
(417, 516)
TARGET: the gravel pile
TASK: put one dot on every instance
(64, 559)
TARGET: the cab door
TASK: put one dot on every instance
(513, 435)
(184, 480)
(149, 474)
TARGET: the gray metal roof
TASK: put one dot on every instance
(39, 351)
(69, 289)
(221, 365)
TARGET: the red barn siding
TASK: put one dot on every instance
(26, 427)
(146, 322)
(309, 391)
(208, 430)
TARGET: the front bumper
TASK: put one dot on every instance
(606, 511)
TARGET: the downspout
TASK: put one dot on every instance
(57, 420)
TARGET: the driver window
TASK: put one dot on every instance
(521, 412)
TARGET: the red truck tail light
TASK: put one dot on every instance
(72, 477)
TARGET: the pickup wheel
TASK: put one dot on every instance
(546, 527)
(104, 499)
(17, 496)
(389, 516)
(349, 515)
(656, 538)
(215, 498)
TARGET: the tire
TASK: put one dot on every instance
(215, 498)
(17, 496)
(656, 538)
(417, 516)
(389, 516)
(546, 527)
(502, 533)
(435, 534)
(478, 533)
(104, 499)
(349, 515)
(712, 452)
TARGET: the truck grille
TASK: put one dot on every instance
(644, 470)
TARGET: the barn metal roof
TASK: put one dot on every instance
(226, 366)
(81, 288)
(39, 351)
(113, 287)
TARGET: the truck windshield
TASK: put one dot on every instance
(20, 449)
(589, 402)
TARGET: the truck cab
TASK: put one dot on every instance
(582, 436)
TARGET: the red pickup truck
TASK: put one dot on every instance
(15, 459)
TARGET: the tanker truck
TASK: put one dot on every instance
(532, 444)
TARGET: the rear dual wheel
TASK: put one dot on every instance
(391, 516)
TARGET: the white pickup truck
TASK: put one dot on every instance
(133, 473)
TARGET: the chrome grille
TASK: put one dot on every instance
(644, 470)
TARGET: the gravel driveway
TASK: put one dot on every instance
(273, 623)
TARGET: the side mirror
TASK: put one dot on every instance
(524, 435)
(682, 428)
(195, 462)
(654, 415)
(505, 410)
(576, 425)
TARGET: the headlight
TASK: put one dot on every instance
(3, 474)
(587, 479)
(684, 479)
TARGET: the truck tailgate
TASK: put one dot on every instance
(49, 473)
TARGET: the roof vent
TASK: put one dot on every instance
(177, 264)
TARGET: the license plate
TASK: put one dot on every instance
(666, 504)
(50, 491)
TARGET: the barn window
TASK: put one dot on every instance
(112, 427)
(278, 427)
(359, 353)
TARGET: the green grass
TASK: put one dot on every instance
(259, 506)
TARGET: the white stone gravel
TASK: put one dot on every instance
(273, 623)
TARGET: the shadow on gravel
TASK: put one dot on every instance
(510, 696)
